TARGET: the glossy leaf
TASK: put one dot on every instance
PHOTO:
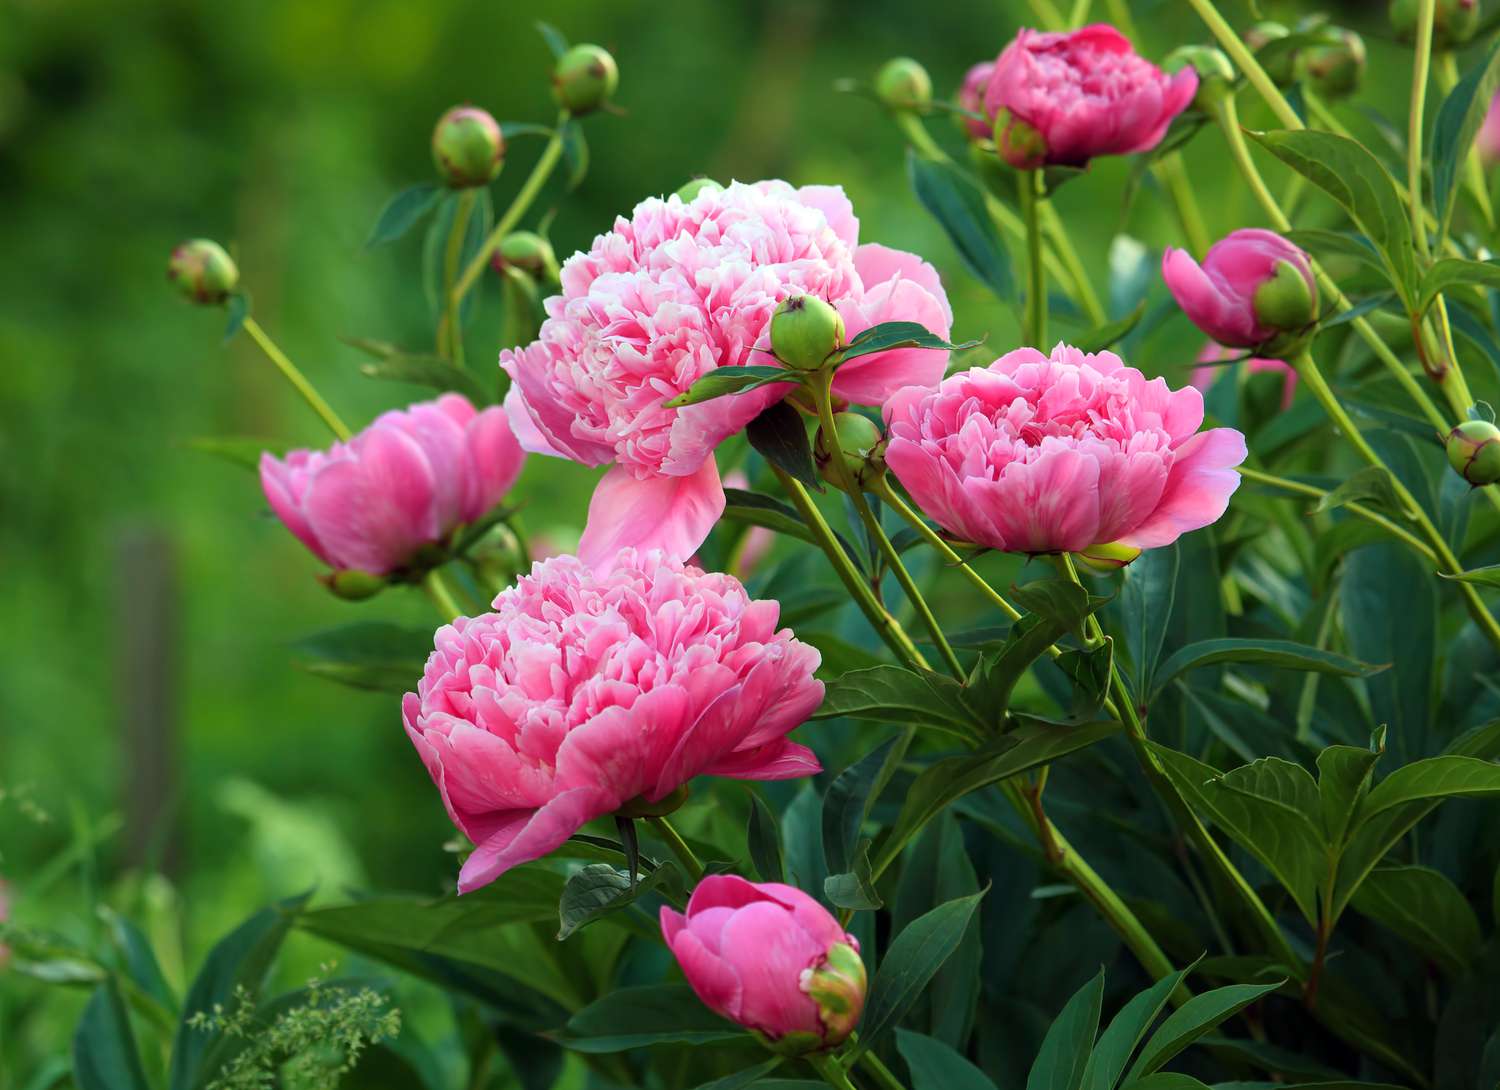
(1105, 336)
(1192, 1020)
(599, 889)
(1065, 1050)
(1426, 909)
(731, 380)
(847, 803)
(958, 205)
(1451, 271)
(936, 1066)
(780, 436)
(888, 335)
(374, 655)
(1126, 1031)
(896, 694)
(1146, 597)
(1488, 576)
(104, 1049)
(1282, 654)
(764, 840)
(1343, 779)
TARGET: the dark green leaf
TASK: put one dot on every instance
(402, 211)
(898, 695)
(1065, 1050)
(1146, 598)
(888, 335)
(1426, 909)
(375, 655)
(575, 151)
(1353, 246)
(1192, 1020)
(553, 37)
(731, 380)
(855, 887)
(959, 207)
(1453, 131)
(1367, 484)
(598, 889)
(1057, 609)
(430, 371)
(1125, 1031)
(651, 1015)
(1283, 654)
(1488, 576)
(237, 310)
(1097, 340)
(104, 1050)
(936, 1066)
(1343, 778)
(746, 1077)
(1170, 1080)
(243, 452)
(764, 838)
(1442, 777)
(780, 436)
(758, 510)
(847, 804)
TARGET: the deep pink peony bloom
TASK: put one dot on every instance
(584, 691)
(971, 98)
(1488, 137)
(1087, 93)
(1205, 376)
(667, 296)
(403, 483)
(1220, 296)
(771, 958)
(1038, 455)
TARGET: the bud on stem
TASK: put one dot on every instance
(585, 79)
(805, 331)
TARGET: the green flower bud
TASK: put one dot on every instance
(585, 79)
(903, 84)
(860, 444)
(1474, 451)
(805, 331)
(527, 251)
(1108, 557)
(202, 271)
(1018, 143)
(1280, 64)
(467, 147)
(691, 189)
(354, 586)
(1215, 73)
(1453, 22)
(1333, 67)
(1287, 300)
(838, 988)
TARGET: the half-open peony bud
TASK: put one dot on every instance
(467, 147)
(1254, 289)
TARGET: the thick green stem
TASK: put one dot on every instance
(450, 338)
(673, 839)
(1245, 61)
(1416, 115)
(1083, 288)
(1035, 330)
(507, 222)
(875, 1067)
(1171, 170)
(297, 379)
(442, 596)
(1357, 509)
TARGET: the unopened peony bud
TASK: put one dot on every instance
(1280, 64)
(1108, 557)
(805, 331)
(799, 981)
(1453, 22)
(1254, 289)
(354, 586)
(1019, 144)
(861, 445)
(1215, 73)
(467, 147)
(585, 79)
(903, 84)
(1288, 300)
(202, 271)
(1333, 66)
(1474, 451)
(698, 185)
(527, 251)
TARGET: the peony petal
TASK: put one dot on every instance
(521, 841)
(1201, 480)
(673, 514)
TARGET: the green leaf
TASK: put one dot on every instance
(1283, 654)
(104, 1050)
(512, 129)
(751, 1075)
(1488, 576)
(730, 380)
(915, 955)
(1426, 909)
(1354, 178)
(934, 1065)
(897, 695)
(944, 782)
(237, 310)
(1065, 1050)
(1454, 129)
(1435, 778)
(855, 887)
(553, 37)
(598, 889)
(430, 371)
(402, 212)
(1370, 483)
(780, 436)
(1146, 598)
(1343, 779)
(764, 839)
(1171, 1080)
(1450, 271)
(1192, 1020)
(655, 1014)
(758, 510)
(242, 959)
(888, 335)
(847, 804)
(958, 205)
(241, 451)
(374, 655)
(575, 152)
(1104, 336)
(1125, 1031)
(1057, 609)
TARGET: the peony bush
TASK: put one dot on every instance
(926, 700)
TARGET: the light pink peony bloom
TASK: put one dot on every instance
(770, 958)
(1039, 455)
(668, 295)
(403, 483)
(971, 98)
(1220, 296)
(584, 691)
(1205, 376)
(1087, 93)
(1488, 138)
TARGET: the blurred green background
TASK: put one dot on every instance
(281, 127)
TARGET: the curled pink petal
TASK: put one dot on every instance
(1218, 296)
(673, 514)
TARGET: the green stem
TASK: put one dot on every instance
(528, 192)
(831, 1072)
(1171, 170)
(1245, 61)
(1080, 13)
(680, 849)
(1035, 331)
(442, 596)
(1083, 288)
(876, 1069)
(1357, 509)
(1421, 63)
(298, 380)
(450, 336)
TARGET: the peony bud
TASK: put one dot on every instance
(585, 79)
(691, 189)
(971, 100)
(770, 958)
(1333, 66)
(202, 271)
(1108, 557)
(1280, 64)
(903, 84)
(1215, 73)
(1019, 144)
(861, 444)
(805, 331)
(527, 251)
(1453, 23)
(467, 147)
(1253, 290)
(354, 586)
(1474, 452)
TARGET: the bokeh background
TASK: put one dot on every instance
(149, 708)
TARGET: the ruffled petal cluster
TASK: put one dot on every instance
(584, 690)
(1040, 454)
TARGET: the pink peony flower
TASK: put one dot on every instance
(771, 958)
(1253, 284)
(1488, 137)
(1205, 376)
(403, 483)
(971, 98)
(668, 295)
(1084, 93)
(585, 691)
(1039, 455)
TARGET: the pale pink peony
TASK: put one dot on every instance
(971, 98)
(584, 691)
(1086, 93)
(1205, 376)
(769, 957)
(1487, 140)
(668, 295)
(403, 483)
(1039, 455)
(1228, 295)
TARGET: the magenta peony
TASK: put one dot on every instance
(1083, 94)
(1253, 285)
(971, 99)
(668, 295)
(584, 691)
(771, 958)
(1039, 455)
(403, 483)
(1205, 375)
